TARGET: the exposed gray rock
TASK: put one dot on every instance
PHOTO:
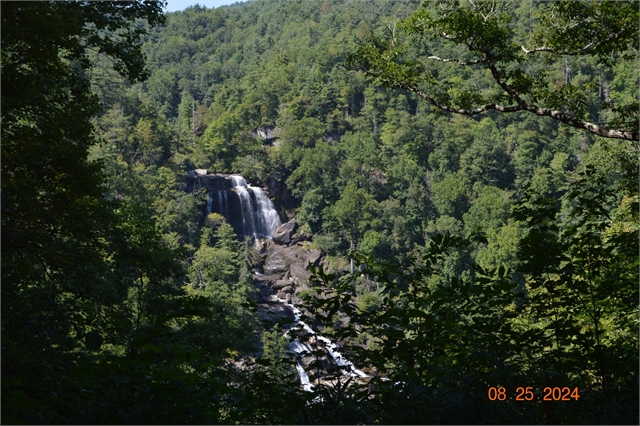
(286, 270)
(280, 257)
(276, 263)
(314, 258)
(267, 279)
(284, 232)
(299, 273)
(214, 182)
(301, 236)
(279, 285)
(312, 363)
(263, 284)
(274, 312)
(266, 133)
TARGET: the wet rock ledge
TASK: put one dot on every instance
(284, 264)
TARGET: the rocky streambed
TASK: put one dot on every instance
(281, 271)
(282, 274)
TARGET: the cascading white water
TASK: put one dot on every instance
(304, 378)
(220, 202)
(267, 216)
(259, 219)
(248, 218)
(301, 349)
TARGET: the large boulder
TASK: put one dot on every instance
(284, 296)
(280, 257)
(299, 237)
(293, 260)
(284, 232)
(276, 261)
(267, 279)
(275, 312)
(299, 273)
(314, 258)
(278, 285)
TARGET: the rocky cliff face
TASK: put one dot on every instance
(285, 263)
(284, 259)
(247, 208)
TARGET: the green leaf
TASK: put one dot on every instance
(93, 341)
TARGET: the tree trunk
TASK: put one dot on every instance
(351, 259)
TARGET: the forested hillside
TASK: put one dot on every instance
(468, 172)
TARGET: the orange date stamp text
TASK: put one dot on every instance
(500, 393)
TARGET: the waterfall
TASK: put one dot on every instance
(246, 204)
(304, 378)
(209, 203)
(268, 216)
(220, 203)
(259, 217)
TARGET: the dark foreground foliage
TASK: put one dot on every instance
(566, 318)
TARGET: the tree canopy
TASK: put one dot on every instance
(493, 251)
(507, 69)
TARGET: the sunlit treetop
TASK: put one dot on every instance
(468, 57)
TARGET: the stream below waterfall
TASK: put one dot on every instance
(301, 349)
(258, 219)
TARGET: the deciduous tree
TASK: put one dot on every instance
(475, 39)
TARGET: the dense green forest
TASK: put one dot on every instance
(468, 170)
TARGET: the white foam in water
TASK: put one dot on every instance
(301, 349)
(248, 218)
(304, 378)
(340, 360)
(259, 219)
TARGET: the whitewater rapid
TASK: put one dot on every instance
(303, 349)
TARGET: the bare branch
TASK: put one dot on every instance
(469, 112)
(522, 105)
(537, 49)
(559, 115)
(447, 36)
(477, 61)
(582, 51)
